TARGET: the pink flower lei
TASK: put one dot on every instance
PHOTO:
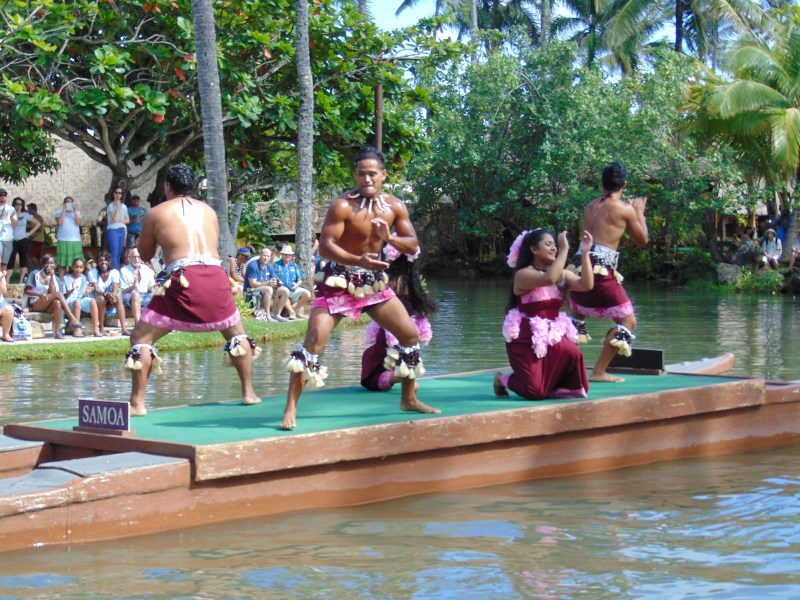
(513, 253)
(392, 254)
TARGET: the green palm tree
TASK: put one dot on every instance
(758, 110)
(700, 26)
(590, 24)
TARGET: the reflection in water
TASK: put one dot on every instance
(721, 528)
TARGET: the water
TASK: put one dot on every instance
(713, 528)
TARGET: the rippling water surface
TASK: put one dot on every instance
(722, 528)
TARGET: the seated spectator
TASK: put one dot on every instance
(772, 248)
(79, 294)
(261, 278)
(236, 270)
(23, 232)
(749, 253)
(795, 251)
(107, 292)
(136, 213)
(43, 294)
(292, 276)
(6, 310)
(137, 281)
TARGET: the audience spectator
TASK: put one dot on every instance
(237, 269)
(136, 213)
(6, 310)
(137, 281)
(772, 248)
(107, 291)
(117, 219)
(749, 253)
(782, 224)
(43, 294)
(795, 251)
(37, 240)
(8, 221)
(23, 231)
(79, 294)
(292, 276)
(68, 236)
(262, 279)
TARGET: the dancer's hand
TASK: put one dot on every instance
(381, 228)
(586, 242)
(639, 204)
(371, 261)
(563, 242)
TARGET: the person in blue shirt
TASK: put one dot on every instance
(136, 213)
(262, 278)
(292, 277)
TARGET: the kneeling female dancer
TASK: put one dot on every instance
(540, 340)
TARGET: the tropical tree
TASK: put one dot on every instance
(211, 110)
(120, 81)
(758, 109)
(520, 143)
(305, 143)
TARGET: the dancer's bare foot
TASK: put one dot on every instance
(499, 389)
(414, 405)
(289, 419)
(251, 399)
(138, 411)
(608, 378)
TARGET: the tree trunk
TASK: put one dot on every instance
(211, 111)
(544, 25)
(678, 25)
(362, 7)
(473, 15)
(305, 145)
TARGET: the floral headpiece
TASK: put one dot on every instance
(392, 254)
(513, 253)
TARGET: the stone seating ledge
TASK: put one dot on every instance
(42, 323)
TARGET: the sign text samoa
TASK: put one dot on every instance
(104, 414)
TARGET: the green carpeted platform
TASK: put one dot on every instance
(329, 409)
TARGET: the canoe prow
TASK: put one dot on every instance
(716, 365)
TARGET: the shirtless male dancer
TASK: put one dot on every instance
(192, 293)
(608, 218)
(356, 226)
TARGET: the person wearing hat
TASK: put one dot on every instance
(236, 269)
(772, 248)
(292, 277)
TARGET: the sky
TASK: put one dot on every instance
(383, 13)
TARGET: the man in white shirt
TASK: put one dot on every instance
(136, 282)
(8, 220)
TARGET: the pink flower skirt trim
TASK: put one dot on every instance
(342, 303)
(544, 332)
(612, 312)
(421, 323)
(156, 320)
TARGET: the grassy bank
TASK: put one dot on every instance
(79, 350)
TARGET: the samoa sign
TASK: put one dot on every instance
(104, 414)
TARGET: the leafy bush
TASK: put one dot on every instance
(764, 282)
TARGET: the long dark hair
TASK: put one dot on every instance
(405, 280)
(532, 238)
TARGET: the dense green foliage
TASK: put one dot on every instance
(519, 143)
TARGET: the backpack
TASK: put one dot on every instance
(20, 328)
